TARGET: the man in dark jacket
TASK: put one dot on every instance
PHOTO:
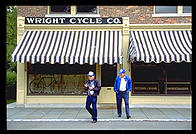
(93, 86)
(122, 87)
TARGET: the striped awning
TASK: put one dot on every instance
(69, 47)
(160, 46)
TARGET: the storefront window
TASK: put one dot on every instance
(162, 78)
(57, 79)
(60, 9)
(87, 9)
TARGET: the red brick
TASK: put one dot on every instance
(137, 14)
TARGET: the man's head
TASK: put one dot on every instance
(91, 75)
(122, 73)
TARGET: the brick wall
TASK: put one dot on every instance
(32, 11)
(140, 15)
(137, 14)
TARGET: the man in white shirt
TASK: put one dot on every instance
(122, 87)
(123, 83)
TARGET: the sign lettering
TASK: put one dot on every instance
(72, 20)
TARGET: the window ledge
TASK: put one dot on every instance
(71, 15)
(172, 15)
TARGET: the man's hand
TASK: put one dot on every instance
(91, 88)
(86, 85)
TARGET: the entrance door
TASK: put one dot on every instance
(108, 75)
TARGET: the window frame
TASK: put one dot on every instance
(186, 12)
(87, 12)
(179, 13)
(50, 12)
(165, 12)
(73, 11)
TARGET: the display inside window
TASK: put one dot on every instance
(57, 79)
(165, 9)
(87, 9)
(60, 9)
(146, 87)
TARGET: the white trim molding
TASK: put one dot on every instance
(172, 15)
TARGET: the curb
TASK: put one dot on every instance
(141, 120)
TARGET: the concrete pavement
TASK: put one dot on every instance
(100, 125)
(105, 113)
(76, 117)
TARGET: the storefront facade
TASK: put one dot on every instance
(50, 72)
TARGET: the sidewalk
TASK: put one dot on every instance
(79, 113)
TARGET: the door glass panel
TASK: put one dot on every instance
(108, 75)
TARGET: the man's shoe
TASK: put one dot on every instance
(128, 117)
(94, 121)
(119, 115)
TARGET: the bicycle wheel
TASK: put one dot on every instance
(36, 86)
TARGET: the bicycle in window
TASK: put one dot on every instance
(40, 86)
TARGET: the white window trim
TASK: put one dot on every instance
(172, 15)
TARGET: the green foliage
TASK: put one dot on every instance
(9, 64)
(10, 101)
(10, 78)
(11, 36)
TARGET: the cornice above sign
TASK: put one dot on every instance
(72, 20)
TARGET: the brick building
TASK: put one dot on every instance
(136, 14)
(168, 77)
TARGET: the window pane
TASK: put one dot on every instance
(87, 8)
(142, 83)
(187, 9)
(165, 9)
(65, 9)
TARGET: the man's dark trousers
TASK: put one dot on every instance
(125, 96)
(93, 111)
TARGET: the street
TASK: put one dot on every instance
(100, 125)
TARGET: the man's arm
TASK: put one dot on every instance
(115, 84)
(86, 86)
(97, 86)
(129, 84)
